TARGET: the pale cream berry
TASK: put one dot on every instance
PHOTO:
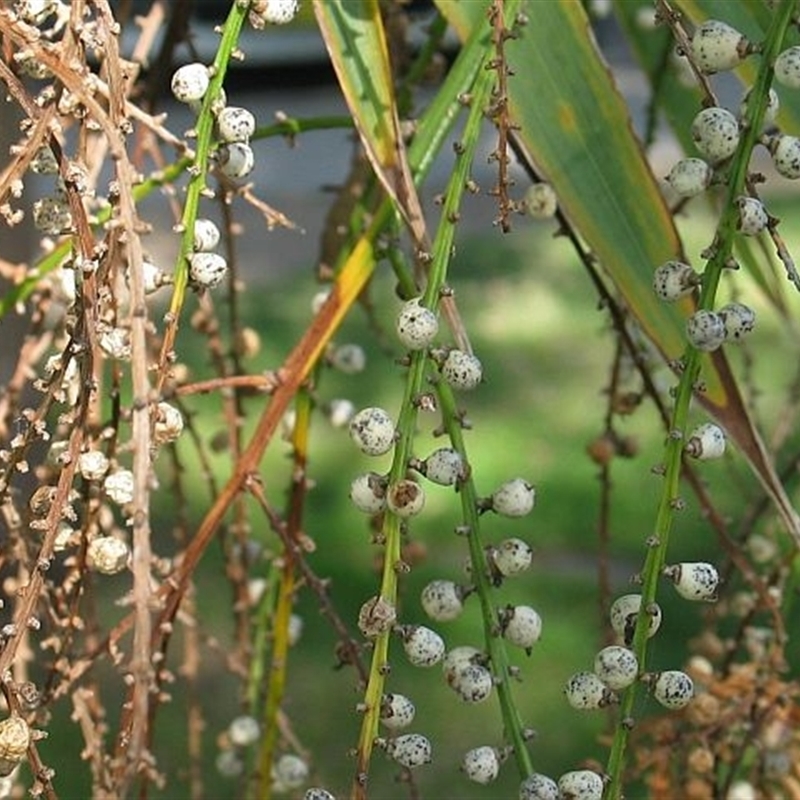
(51, 215)
(473, 684)
(15, 738)
(541, 201)
(770, 112)
(423, 646)
(206, 235)
(93, 465)
(481, 764)
(706, 442)
(521, 625)
(340, 412)
(690, 177)
(511, 557)
(624, 612)
(294, 629)
(289, 772)
(118, 486)
(207, 270)
(617, 667)
(716, 46)
(115, 343)
(373, 431)
(581, 784)
(348, 358)
(406, 498)
(462, 371)
(368, 492)
(229, 764)
(416, 325)
(515, 498)
(715, 132)
(739, 320)
(167, 425)
(190, 82)
(705, 330)
(585, 692)
(787, 68)
(674, 279)
(444, 466)
(694, 580)
(458, 659)
(243, 731)
(410, 749)
(235, 124)
(539, 787)
(274, 12)
(236, 159)
(397, 711)
(673, 689)
(442, 600)
(753, 216)
(108, 554)
(153, 278)
(316, 793)
(785, 152)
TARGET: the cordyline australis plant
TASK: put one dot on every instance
(101, 418)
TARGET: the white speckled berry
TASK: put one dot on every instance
(617, 667)
(373, 431)
(786, 156)
(752, 215)
(340, 412)
(229, 764)
(673, 689)
(673, 280)
(206, 235)
(410, 749)
(368, 492)
(424, 647)
(207, 269)
(93, 465)
(521, 626)
(315, 793)
(716, 46)
(705, 330)
(706, 441)
(397, 711)
(541, 201)
(349, 358)
(118, 486)
(235, 124)
(739, 320)
(416, 325)
(153, 278)
(624, 612)
(167, 425)
(585, 692)
(473, 684)
(406, 498)
(190, 82)
(458, 659)
(243, 731)
(538, 787)
(236, 160)
(481, 764)
(289, 772)
(787, 68)
(442, 600)
(376, 616)
(515, 498)
(715, 132)
(108, 554)
(463, 371)
(51, 215)
(511, 557)
(770, 112)
(580, 784)
(690, 177)
(273, 12)
(694, 580)
(444, 466)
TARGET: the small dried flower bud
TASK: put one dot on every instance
(539, 787)
(168, 424)
(115, 343)
(93, 465)
(739, 320)
(207, 270)
(243, 731)
(442, 600)
(481, 764)
(289, 772)
(368, 493)
(585, 691)
(444, 466)
(541, 201)
(236, 159)
(617, 667)
(694, 580)
(406, 498)
(673, 689)
(674, 279)
(118, 486)
(410, 749)
(463, 371)
(787, 68)
(717, 47)
(785, 152)
(752, 215)
(715, 132)
(581, 784)
(44, 162)
(190, 82)
(206, 235)
(707, 441)
(373, 431)
(15, 738)
(625, 611)
(108, 555)
(515, 498)
(521, 625)
(511, 557)
(397, 711)
(473, 684)
(376, 616)
(349, 359)
(705, 330)
(235, 124)
(690, 177)
(416, 325)
(424, 647)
